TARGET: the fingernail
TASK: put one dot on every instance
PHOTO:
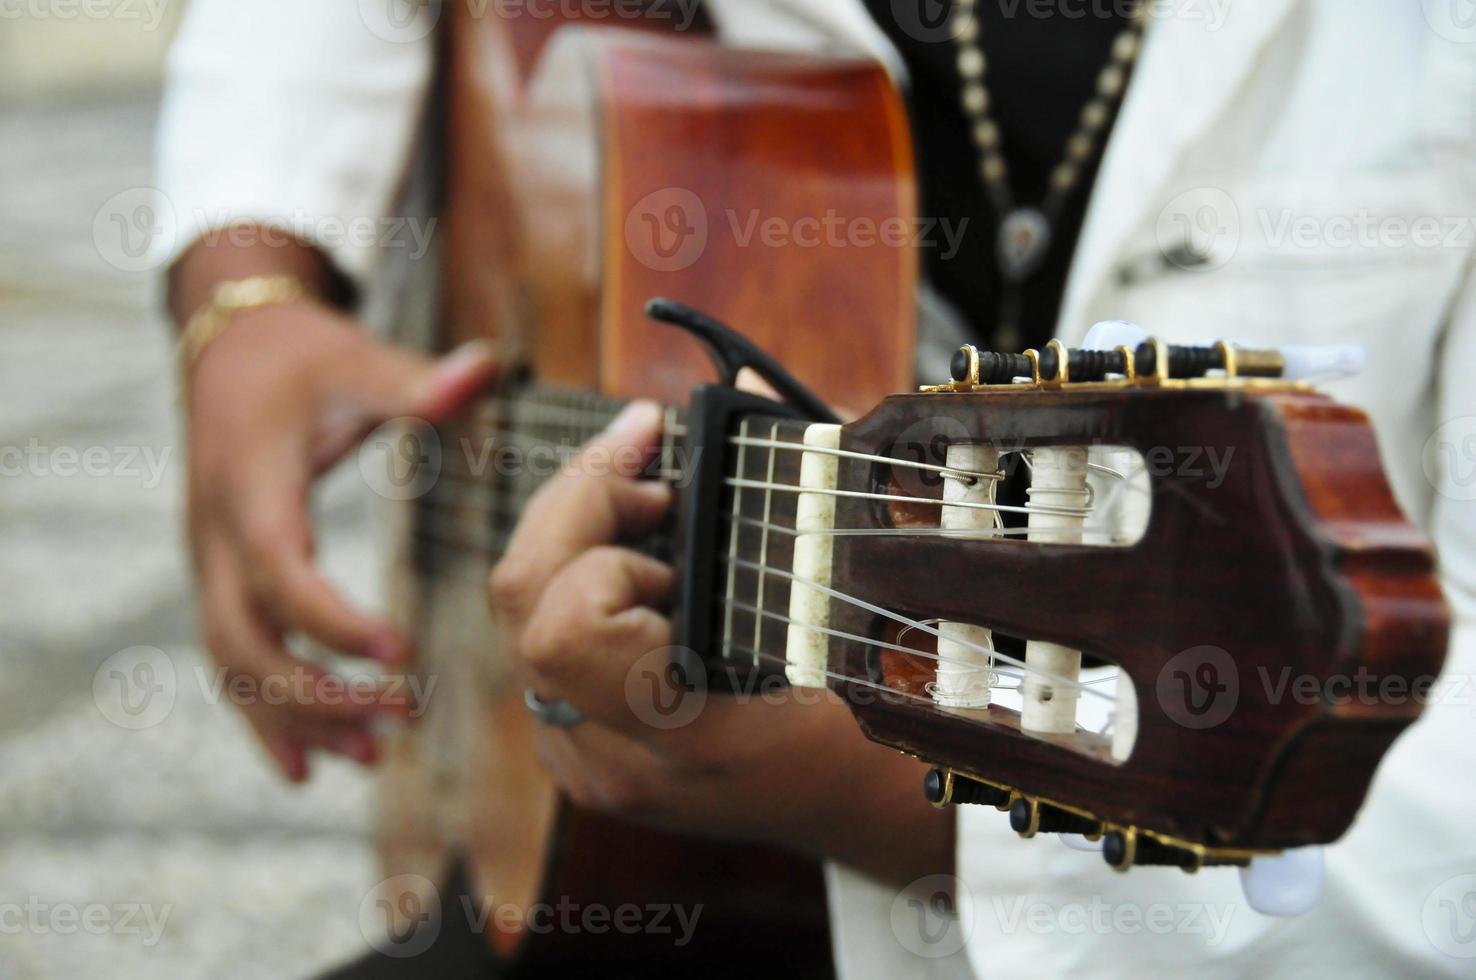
(473, 352)
(638, 416)
(658, 490)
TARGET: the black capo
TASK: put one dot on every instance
(712, 418)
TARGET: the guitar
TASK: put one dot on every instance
(587, 167)
(943, 562)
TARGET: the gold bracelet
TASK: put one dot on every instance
(215, 314)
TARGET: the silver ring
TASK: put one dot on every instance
(555, 714)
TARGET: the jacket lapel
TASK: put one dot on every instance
(1193, 63)
(1197, 55)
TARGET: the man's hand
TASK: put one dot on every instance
(582, 615)
(281, 394)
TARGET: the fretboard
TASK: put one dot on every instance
(757, 539)
(494, 460)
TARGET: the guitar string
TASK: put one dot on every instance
(492, 431)
(778, 661)
(962, 534)
(562, 413)
(841, 634)
(745, 654)
(506, 506)
(861, 682)
(910, 464)
(743, 484)
(493, 538)
(870, 641)
(971, 475)
(1020, 665)
(540, 406)
(1054, 679)
(474, 471)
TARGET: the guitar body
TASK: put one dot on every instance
(587, 169)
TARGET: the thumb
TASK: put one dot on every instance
(453, 382)
(434, 390)
(385, 382)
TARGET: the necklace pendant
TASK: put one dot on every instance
(1024, 238)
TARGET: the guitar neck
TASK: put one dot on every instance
(756, 543)
(493, 461)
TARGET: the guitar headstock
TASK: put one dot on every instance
(1159, 596)
(1222, 541)
(1216, 543)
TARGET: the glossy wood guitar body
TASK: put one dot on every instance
(588, 169)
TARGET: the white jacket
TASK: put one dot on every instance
(1321, 157)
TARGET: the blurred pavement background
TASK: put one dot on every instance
(131, 845)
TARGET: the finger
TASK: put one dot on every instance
(751, 381)
(388, 381)
(454, 381)
(274, 542)
(379, 382)
(261, 669)
(595, 624)
(598, 502)
(601, 769)
(289, 754)
(289, 737)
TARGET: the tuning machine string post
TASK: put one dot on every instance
(1146, 363)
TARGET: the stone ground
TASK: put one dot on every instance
(111, 832)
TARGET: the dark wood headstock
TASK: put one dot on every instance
(1295, 561)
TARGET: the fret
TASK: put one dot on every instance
(467, 519)
(729, 613)
(764, 542)
(756, 596)
(777, 551)
(670, 422)
(487, 476)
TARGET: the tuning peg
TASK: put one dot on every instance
(1079, 842)
(1112, 334)
(1327, 363)
(1285, 884)
(970, 365)
(1125, 848)
(944, 788)
(1030, 817)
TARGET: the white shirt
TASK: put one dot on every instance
(1306, 142)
